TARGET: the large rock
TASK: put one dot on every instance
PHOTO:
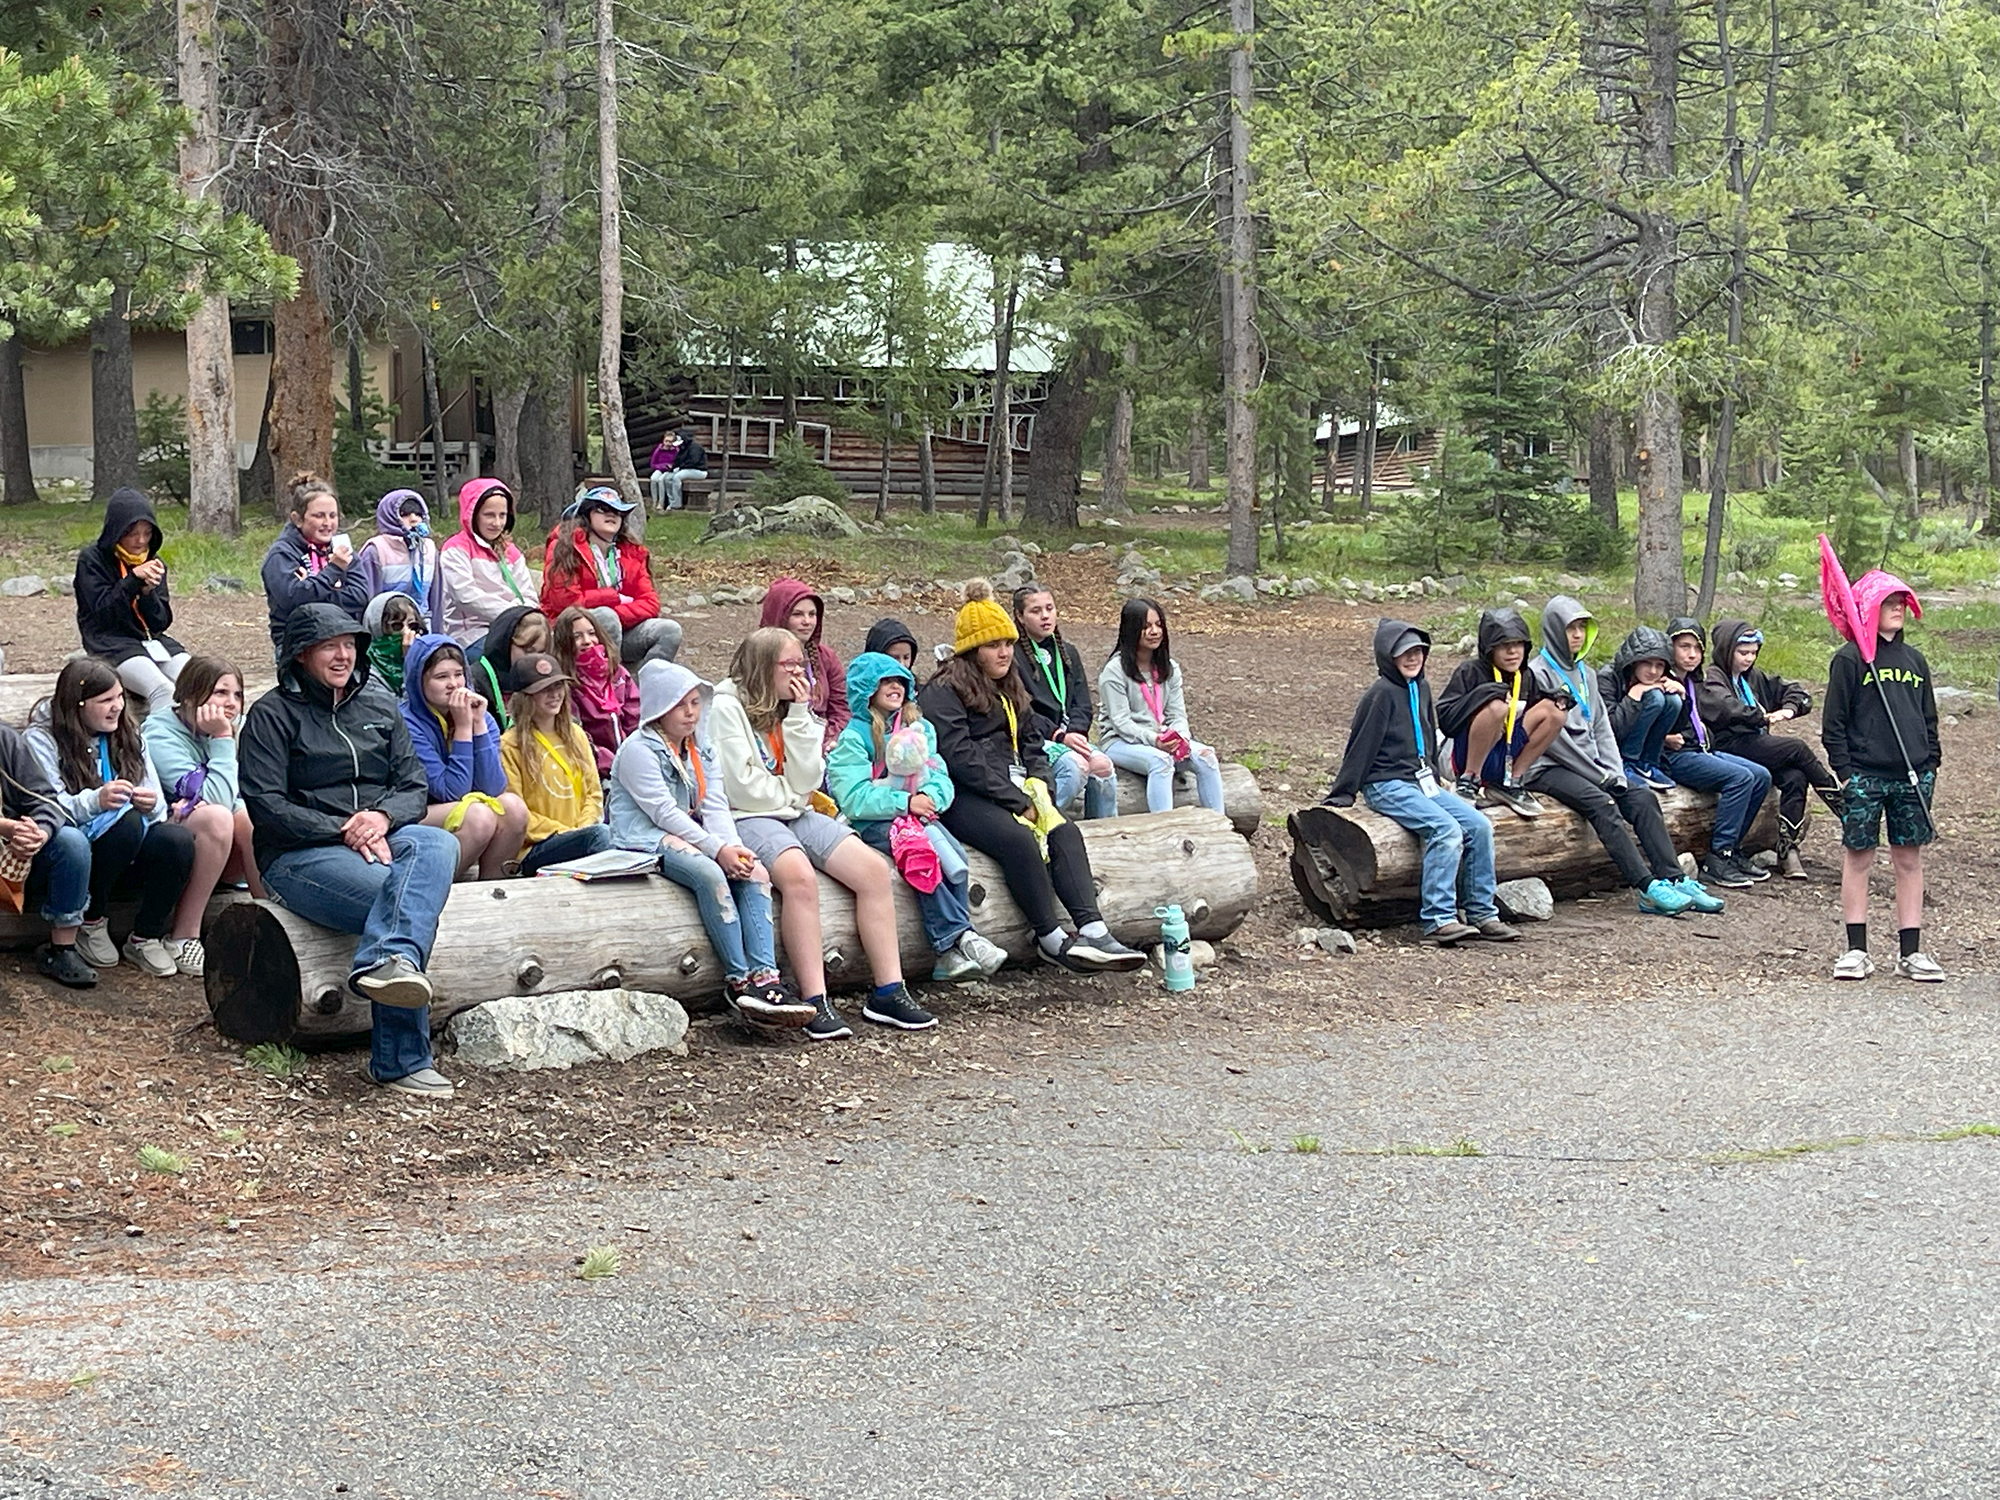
(808, 515)
(560, 1030)
(1238, 590)
(1951, 700)
(24, 587)
(1527, 900)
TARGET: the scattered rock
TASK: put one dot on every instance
(1006, 542)
(841, 595)
(1239, 589)
(1951, 700)
(1519, 581)
(891, 593)
(1033, 549)
(1689, 866)
(1270, 585)
(65, 587)
(1464, 645)
(1114, 525)
(808, 515)
(1527, 900)
(695, 601)
(222, 583)
(568, 1027)
(24, 587)
(1302, 587)
(1018, 572)
(1765, 859)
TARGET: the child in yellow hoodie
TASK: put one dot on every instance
(550, 766)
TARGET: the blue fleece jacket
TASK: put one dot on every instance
(452, 767)
(860, 786)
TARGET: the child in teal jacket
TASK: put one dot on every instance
(885, 767)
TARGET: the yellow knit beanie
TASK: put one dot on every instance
(981, 620)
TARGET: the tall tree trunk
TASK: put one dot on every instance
(1989, 412)
(302, 328)
(1906, 459)
(507, 406)
(260, 482)
(544, 456)
(213, 503)
(1240, 306)
(1115, 500)
(547, 441)
(434, 421)
(357, 386)
(789, 408)
(114, 421)
(611, 266)
(1330, 461)
(1371, 429)
(1055, 463)
(998, 480)
(888, 431)
(721, 501)
(1604, 465)
(1659, 584)
(926, 471)
(15, 459)
(1198, 475)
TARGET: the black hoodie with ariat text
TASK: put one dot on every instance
(1382, 738)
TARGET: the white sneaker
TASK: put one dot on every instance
(151, 955)
(191, 958)
(990, 956)
(93, 941)
(1856, 964)
(1920, 967)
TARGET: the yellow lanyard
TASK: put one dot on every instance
(575, 781)
(1513, 705)
(1013, 728)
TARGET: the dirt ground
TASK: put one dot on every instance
(89, 1079)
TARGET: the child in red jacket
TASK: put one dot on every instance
(594, 560)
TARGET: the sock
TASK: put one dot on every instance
(887, 991)
(1857, 936)
(816, 1001)
(1052, 941)
(1094, 930)
(1909, 937)
(62, 947)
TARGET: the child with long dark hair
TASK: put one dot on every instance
(1142, 713)
(595, 559)
(603, 692)
(1059, 688)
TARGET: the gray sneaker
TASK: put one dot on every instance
(990, 956)
(151, 955)
(425, 1083)
(1920, 967)
(956, 966)
(394, 981)
(93, 941)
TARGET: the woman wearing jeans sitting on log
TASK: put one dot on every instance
(337, 798)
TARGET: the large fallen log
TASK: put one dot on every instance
(1352, 865)
(26, 930)
(1242, 800)
(274, 976)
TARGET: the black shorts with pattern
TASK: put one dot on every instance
(1873, 800)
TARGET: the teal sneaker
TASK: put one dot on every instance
(1698, 896)
(1663, 898)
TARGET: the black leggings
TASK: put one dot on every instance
(1793, 767)
(988, 827)
(1608, 811)
(150, 861)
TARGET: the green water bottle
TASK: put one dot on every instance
(1178, 952)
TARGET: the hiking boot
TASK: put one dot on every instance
(1835, 798)
(1104, 952)
(897, 1010)
(1792, 867)
(1518, 800)
(990, 956)
(1854, 964)
(1698, 899)
(1496, 931)
(190, 958)
(151, 955)
(394, 981)
(93, 941)
(1449, 934)
(826, 1024)
(1721, 868)
(1920, 967)
(65, 966)
(956, 966)
(1663, 898)
(761, 1000)
(425, 1083)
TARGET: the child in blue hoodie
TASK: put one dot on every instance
(458, 742)
(885, 766)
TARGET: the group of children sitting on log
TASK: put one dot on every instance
(1516, 724)
(441, 714)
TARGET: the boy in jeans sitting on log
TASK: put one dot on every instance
(1392, 760)
(1690, 757)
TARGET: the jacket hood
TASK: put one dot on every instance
(422, 649)
(122, 511)
(1681, 625)
(780, 599)
(1392, 639)
(1723, 652)
(472, 492)
(389, 510)
(1642, 644)
(1872, 590)
(662, 684)
(866, 673)
(1557, 616)
(1499, 626)
(310, 624)
(497, 647)
(885, 633)
(371, 617)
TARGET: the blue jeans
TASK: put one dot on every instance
(1739, 786)
(60, 877)
(736, 914)
(1646, 739)
(1158, 768)
(573, 843)
(947, 911)
(1072, 775)
(1458, 849)
(392, 908)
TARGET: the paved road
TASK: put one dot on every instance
(1084, 1279)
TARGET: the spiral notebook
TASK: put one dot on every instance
(612, 864)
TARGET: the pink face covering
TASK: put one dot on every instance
(592, 659)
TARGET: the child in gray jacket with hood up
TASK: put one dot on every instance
(1584, 770)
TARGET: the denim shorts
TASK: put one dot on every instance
(814, 832)
(1875, 800)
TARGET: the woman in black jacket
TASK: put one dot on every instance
(1059, 688)
(122, 608)
(980, 710)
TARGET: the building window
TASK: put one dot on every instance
(249, 335)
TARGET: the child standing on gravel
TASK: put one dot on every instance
(1881, 733)
(1393, 761)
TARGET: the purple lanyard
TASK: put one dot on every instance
(1694, 718)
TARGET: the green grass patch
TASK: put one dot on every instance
(1965, 1132)
(58, 1065)
(1463, 1146)
(1248, 1146)
(599, 1264)
(166, 1163)
(64, 1130)
(1306, 1145)
(276, 1060)
(1264, 755)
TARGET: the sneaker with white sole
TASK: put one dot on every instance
(1663, 898)
(191, 958)
(1518, 800)
(1920, 967)
(394, 981)
(93, 941)
(990, 956)
(827, 1024)
(151, 955)
(897, 1010)
(956, 966)
(1853, 964)
(1104, 952)
(425, 1083)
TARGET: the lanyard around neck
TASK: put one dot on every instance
(1417, 720)
(1576, 687)
(1054, 672)
(1513, 700)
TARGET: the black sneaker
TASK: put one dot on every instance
(1105, 953)
(65, 966)
(1518, 800)
(897, 1010)
(1473, 790)
(1722, 869)
(826, 1024)
(1750, 867)
(766, 1004)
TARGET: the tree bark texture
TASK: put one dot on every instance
(1659, 584)
(301, 363)
(996, 485)
(1116, 499)
(1198, 475)
(1371, 430)
(507, 406)
(926, 471)
(1055, 462)
(611, 265)
(213, 500)
(1243, 373)
(15, 458)
(260, 484)
(114, 421)
(434, 422)
(1989, 412)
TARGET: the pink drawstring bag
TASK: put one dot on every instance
(915, 859)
